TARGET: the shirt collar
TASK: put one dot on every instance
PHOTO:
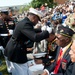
(66, 46)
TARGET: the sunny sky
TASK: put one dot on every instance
(13, 2)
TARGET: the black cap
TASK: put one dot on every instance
(65, 31)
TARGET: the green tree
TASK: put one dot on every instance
(24, 8)
(38, 3)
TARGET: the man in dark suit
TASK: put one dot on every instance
(24, 36)
(62, 60)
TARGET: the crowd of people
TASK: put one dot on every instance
(52, 32)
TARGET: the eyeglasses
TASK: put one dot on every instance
(60, 38)
(72, 51)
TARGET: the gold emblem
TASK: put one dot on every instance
(64, 65)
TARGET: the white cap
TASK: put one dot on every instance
(39, 55)
(4, 11)
(36, 12)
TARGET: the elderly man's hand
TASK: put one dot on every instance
(30, 49)
(38, 61)
(44, 73)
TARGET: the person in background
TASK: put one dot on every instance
(24, 35)
(7, 26)
(40, 46)
(70, 20)
(51, 51)
(64, 16)
(72, 56)
(62, 60)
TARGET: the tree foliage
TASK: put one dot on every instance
(38, 3)
(24, 8)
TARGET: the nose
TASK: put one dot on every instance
(56, 39)
(70, 52)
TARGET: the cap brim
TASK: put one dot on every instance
(39, 18)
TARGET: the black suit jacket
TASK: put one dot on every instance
(70, 70)
(73, 69)
(63, 70)
(24, 33)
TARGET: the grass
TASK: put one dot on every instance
(3, 68)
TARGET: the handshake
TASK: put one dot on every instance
(49, 29)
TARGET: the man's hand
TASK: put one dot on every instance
(44, 73)
(38, 61)
(30, 49)
(44, 27)
(49, 29)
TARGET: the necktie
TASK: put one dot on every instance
(58, 62)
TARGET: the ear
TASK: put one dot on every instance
(67, 39)
(32, 18)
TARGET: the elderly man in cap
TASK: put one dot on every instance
(72, 56)
(22, 40)
(62, 61)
